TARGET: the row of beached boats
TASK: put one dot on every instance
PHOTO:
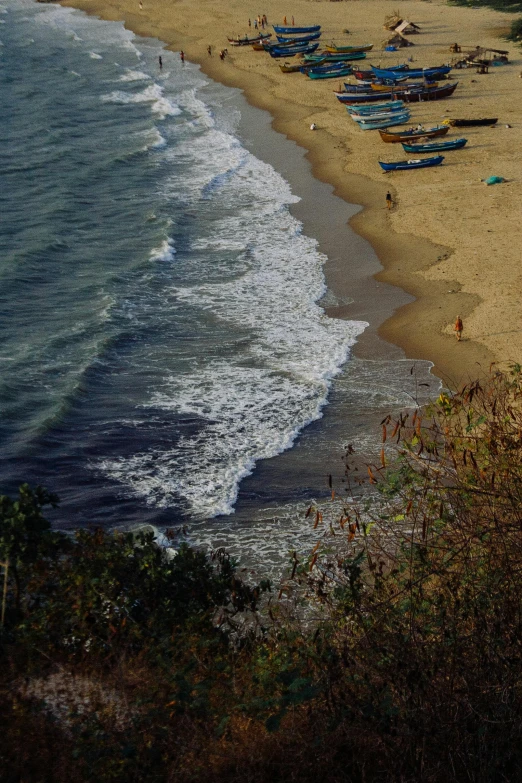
(380, 97)
(380, 100)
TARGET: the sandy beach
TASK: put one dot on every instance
(450, 241)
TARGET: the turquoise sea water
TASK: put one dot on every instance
(161, 334)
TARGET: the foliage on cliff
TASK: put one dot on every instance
(401, 659)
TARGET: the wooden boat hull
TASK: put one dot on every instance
(335, 74)
(412, 96)
(401, 87)
(471, 123)
(303, 39)
(389, 122)
(337, 49)
(376, 108)
(357, 98)
(291, 52)
(404, 165)
(292, 30)
(299, 67)
(246, 41)
(389, 114)
(414, 135)
(336, 58)
(441, 146)
(414, 73)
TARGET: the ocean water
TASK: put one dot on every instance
(162, 334)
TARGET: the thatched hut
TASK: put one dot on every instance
(392, 21)
(397, 40)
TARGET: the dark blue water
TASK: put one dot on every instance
(160, 332)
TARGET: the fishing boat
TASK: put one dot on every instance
(414, 134)
(402, 165)
(388, 122)
(363, 97)
(334, 48)
(427, 93)
(376, 108)
(377, 116)
(400, 86)
(291, 51)
(292, 30)
(436, 146)
(333, 73)
(298, 67)
(300, 39)
(470, 123)
(346, 56)
(246, 41)
(413, 73)
(357, 88)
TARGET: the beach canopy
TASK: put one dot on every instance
(407, 28)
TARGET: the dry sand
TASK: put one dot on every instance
(450, 240)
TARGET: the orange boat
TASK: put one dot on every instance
(414, 134)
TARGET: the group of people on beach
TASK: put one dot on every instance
(260, 22)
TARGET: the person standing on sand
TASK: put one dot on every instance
(160, 60)
(284, 20)
(458, 328)
(249, 23)
(209, 50)
(182, 56)
(293, 23)
(389, 200)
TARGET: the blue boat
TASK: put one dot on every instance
(363, 97)
(415, 73)
(290, 51)
(436, 146)
(302, 39)
(388, 122)
(377, 116)
(341, 56)
(376, 108)
(291, 30)
(402, 165)
(331, 74)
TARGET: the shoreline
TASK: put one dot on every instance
(420, 264)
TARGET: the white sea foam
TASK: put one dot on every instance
(153, 94)
(165, 252)
(134, 76)
(251, 404)
(95, 56)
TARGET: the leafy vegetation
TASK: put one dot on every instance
(516, 30)
(393, 653)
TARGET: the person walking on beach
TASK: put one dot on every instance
(458, 328)
(255, 24)
(284, 20)
(249, 23)
(293, 23)
(389, 200)
(160, 60)
(182, 56)
(209, 50)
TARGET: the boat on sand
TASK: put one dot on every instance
(404, 165)
(414, 134)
